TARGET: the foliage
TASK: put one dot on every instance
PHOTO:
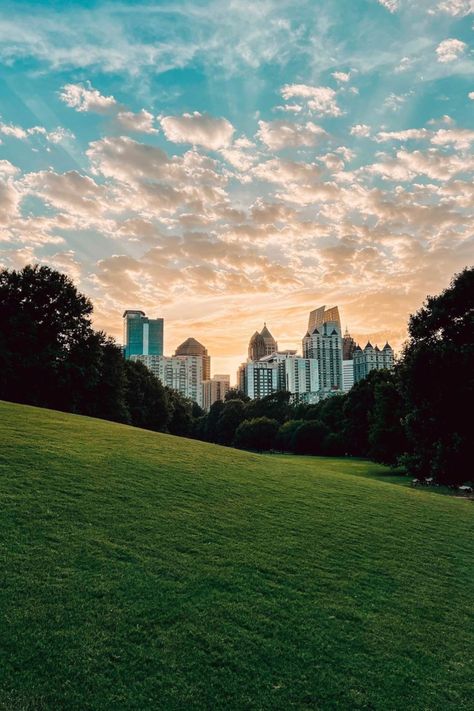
(285, 437)
(310, 437)
(258, 434)
(437, 383)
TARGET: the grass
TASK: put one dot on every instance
(142, 571)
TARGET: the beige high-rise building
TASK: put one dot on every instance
(191, 347)
(214, 389)
(181, 373)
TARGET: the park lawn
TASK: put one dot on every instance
(145, 571)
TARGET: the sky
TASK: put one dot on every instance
(225, 164)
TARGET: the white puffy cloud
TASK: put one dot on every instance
(456, 8)
(409, 134)
(471, 95)
(391, 5)
(140, 122)
(57, 135)
(86, 98)
(361, 129)
(286, 171)
(405, 64)
(460, 138)
(72, 192)
(407, 165)
(319, 99)
(449, 50)
(341, 76)
(278, 135)
(13, 131)
(198, 129)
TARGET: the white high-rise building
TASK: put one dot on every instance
(347, 375)
(181, 373)
(323, 342)
(283, 370)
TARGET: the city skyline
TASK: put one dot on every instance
(221, 165)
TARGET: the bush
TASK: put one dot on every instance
(310, 437)
(259, 434)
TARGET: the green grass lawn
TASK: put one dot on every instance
(143, 571)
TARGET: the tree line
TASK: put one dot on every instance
(417, 415)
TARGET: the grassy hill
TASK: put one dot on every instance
(142, 571)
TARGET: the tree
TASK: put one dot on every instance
(275, 406)
(309, 438)
(236, 394)
(437, 382)
(180, 421)
(258, 434)
(146, 398)
(231, 415)
(284, 440)
(387, 439)
(44, 329)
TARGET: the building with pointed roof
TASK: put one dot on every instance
(323, 343)
(261, 344)
(348, 346)
(372, 358)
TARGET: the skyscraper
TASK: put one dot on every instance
(348, 346)
(142, 335)
(261, 344)
(181, 373)
(191, 347)
(323, 342)
(214, 390)
(282, 370)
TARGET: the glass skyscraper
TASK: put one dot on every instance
(142, 335)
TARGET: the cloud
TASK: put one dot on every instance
(321, 100)
(198, 129)
(86, 98)
(341, 76)
(407, 165)
(141, 122)
(471, 95)
(278, 135)
(57, 135)
(394, 102)
(361, 130)
(409, 134)
(13, 131)
(390, 5)
(460, 138)
(286, 171)
(456, 8)
(449, 50)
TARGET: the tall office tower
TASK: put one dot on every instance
(282, 370)
(323, 342)
(298, 376)
(214, 390)
(323, 315)
(348, 346)
(347, 375)
(258, 379)
(142, 335)
(181, 373)
(261, 344)
(191, 347)
(371, 359)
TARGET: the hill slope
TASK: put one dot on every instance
(143, 571)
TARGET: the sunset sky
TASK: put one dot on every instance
(222, 164)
